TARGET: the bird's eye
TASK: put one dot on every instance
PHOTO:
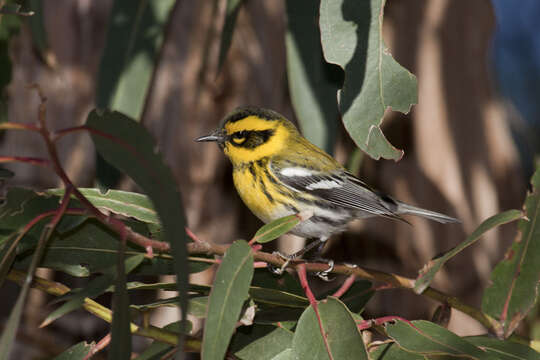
(239, 137)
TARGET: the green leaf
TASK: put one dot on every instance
(128, 146)
(231, 13)
(268, 346)
(342, 335)
(134, 39)
(504, 349)
(197, 305)
(276, 228)
(120, 346)
(393, 352)
(515, 280)
(277, 297)
(427, 338)
(228, 294)
(76, 352)
(351, 37)
(313, 83)
(38, 30)
(426, 275)
(125, 203)
(92, 248)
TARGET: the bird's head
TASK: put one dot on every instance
(249, 134)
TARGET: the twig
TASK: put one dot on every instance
(102, 344)
(389, 280)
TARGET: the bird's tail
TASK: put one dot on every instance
(406, 209)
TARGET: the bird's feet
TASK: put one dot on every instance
(288, 258)
(323, 275)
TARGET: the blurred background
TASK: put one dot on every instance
(469, 144)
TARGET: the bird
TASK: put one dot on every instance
(278, 172)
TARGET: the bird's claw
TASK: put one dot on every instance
(323, 275)
(279, 270)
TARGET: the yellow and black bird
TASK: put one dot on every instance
(278, 172)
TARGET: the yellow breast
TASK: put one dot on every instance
(258, 192)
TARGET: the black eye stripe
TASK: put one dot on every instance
(253, 138)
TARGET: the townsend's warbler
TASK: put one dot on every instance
(277, 172)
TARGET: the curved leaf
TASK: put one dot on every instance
(313, 83)
(125, 203)
(351, 37)
(231, 13)
(228, 294)
(426, 275)
(426, 338)
(127, 145)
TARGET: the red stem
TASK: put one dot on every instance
(302, 274)
(345, 286)
(25, 159)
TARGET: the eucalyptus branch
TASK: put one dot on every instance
(389, 279)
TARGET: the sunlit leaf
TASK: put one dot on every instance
(351, 37)
(124, 203)
(276, 228)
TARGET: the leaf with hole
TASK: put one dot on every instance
(351, 37)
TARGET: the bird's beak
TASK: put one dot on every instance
(215, 136)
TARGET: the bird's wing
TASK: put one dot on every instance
(340, 188)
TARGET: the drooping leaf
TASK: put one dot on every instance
(426, 275)
(426, 338)
(9, 26)
(231, 13)
(266, 347)
(124, 203)
(313, 83)
(515, 280)
(276, 228)
(228, 294)
(134, 39)
(76, 352)
(343, 339)
(351, 37)
(128, 146)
